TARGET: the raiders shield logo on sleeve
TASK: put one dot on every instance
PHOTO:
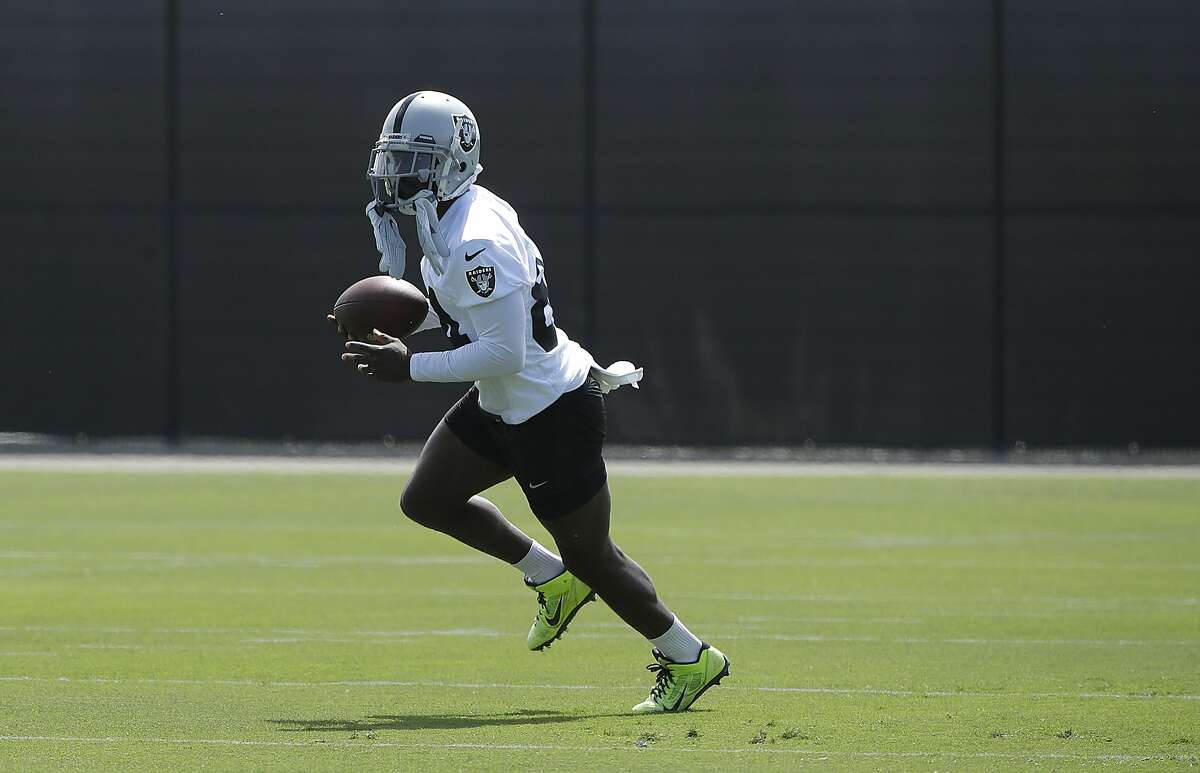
(482, 280)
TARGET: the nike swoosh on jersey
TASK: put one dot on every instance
(471, 255)
(539, 485)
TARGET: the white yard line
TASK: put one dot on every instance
(621, 467)
(820, 754)
(203, 560)
(1060, 605)
(922, 562)
(389, 683)
(302, 636)
(197, 560)
(1067, 602)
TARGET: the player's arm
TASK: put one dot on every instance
(499, 350)
(490, 293)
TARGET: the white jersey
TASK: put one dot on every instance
(491, 257)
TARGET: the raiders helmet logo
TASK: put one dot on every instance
(466, 133)
(482, 280)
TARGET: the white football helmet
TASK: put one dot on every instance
(429, 142)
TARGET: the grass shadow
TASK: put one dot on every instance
(431, 721)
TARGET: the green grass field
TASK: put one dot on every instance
(298, 622)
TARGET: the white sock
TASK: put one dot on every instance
(678, 644)
(540, 565)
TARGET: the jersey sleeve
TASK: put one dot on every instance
(499, 351)
(485, 270)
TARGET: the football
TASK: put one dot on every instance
(391, 305)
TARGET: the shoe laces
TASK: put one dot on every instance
(662, 680)
(542, 610)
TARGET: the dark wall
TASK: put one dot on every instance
(795, 197)
(82, 183)
(948, 222)
(1102, 246)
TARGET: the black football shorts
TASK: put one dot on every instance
(557, 455)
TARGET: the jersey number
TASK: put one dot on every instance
(544, 331)
(457, 337)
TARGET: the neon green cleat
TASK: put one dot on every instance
(558, 602)
(680, 685)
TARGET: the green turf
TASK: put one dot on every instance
(292, 622)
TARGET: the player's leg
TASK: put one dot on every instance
(442, 493)
(558, 458)
(686, 666)
(589, 553)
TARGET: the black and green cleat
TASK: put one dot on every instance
(558, 602)
(679, 685)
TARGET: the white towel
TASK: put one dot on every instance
(387, 240)
(429, 229)
(617, 375)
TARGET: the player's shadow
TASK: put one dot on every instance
(430, 721)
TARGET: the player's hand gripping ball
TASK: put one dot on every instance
(373, 314)
(384, 361)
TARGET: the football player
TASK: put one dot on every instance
(536, 409)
